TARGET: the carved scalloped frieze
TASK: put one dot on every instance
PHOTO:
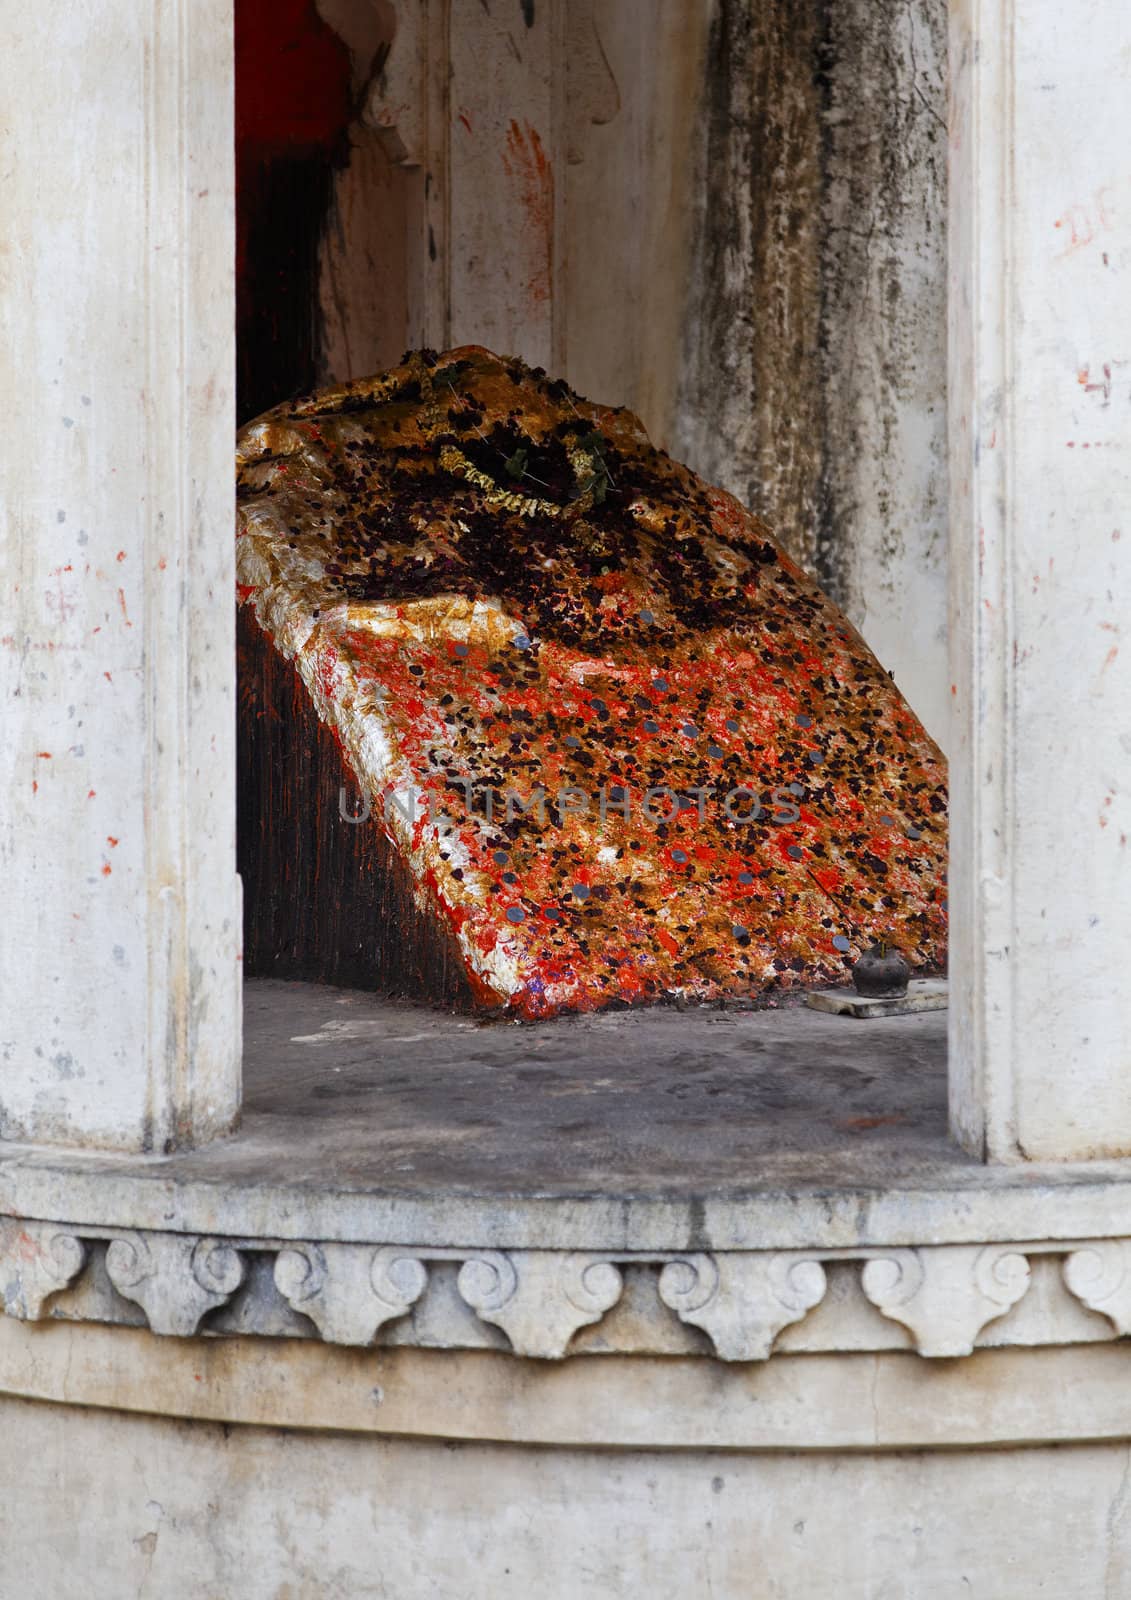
(743, 1301)
(539, 1298)
(174, 1278)
(945, 1295)
(37, 1259)
(349, 1290)
(1099, 1275)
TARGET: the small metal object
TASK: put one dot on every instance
(881, 973)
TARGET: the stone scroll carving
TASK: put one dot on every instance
(539, 1298)
(173, 1278)
(349, 1290)
(742, 1301)
(395, 103)
(37, 1259)
(1099, 1275)
(945, 1296)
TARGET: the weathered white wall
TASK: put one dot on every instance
(883, 535)
(520, 179)
(119, 991)
(1041, 552)
(728, 216)
(143, 1505)
(814, 384)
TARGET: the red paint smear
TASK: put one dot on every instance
(111, 841)
(326, 671)
(122, 603)
(44, 755)
(526, 162)
(121, 555)
(106, 869)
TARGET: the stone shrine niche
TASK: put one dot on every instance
(604, 742)
(660, 214)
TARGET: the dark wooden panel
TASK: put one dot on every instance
(324, 900)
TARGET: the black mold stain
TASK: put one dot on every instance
(751, 362)
(823, 149)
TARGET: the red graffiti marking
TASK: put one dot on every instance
(1083, 378)
(1084, 221)
(56, 599)
(1079, 224)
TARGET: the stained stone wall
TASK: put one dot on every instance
(814, 363)
(727, 215)
(207, 1510)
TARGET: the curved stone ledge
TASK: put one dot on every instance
(672, 1133)
(672, 1184)
(965, 1205)
(850, 1401)
(739, 1306)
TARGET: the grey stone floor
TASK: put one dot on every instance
(399, 1097)
(650, 1130)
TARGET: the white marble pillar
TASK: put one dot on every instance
(119, 949)
(1040, 398)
